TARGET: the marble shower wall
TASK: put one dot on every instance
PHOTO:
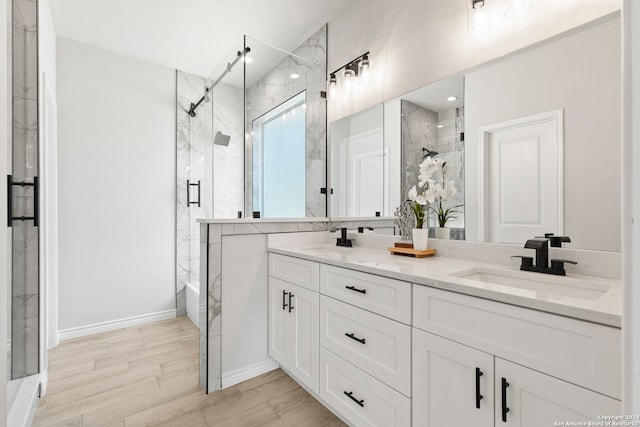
(194, 147)
(420, 130)
(24, 152)
(218, 168)
(310, 62)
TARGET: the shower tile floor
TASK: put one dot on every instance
(148, 376)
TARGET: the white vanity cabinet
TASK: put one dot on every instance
(468, 347)
(294, 319)
(452, 383)
(365, 347)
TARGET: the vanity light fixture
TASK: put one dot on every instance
(351, 69)
(478, 17)
(364, 64)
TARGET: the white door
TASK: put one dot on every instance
(304, 315)
(523, 178)
(452, 383)
(278, 316)
(534, 399)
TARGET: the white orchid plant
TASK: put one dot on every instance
(429, 191)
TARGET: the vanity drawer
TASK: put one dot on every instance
(583, 353)
(387, 297)
(295, 270)
(377, 345)
(372, 403)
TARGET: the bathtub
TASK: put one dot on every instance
(193, 302)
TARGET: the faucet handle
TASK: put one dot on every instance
(557, 266)
(556, 241)
(526, 260)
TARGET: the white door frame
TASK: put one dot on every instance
(483, 159)
(49, 229)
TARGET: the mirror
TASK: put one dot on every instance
(538, 140)
(361, 159)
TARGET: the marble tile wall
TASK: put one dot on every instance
(24, 152)
(194, 147)
(419, 129)
(211, 303)
(218, 168)
(275, 87)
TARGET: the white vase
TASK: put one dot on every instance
(443, 233)
(420, 238)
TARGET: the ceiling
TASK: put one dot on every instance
(195, 36)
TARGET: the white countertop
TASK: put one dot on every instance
(436, 272)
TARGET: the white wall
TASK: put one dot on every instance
(116, 163)
(245, 297)
(4, 239)
(631, 209)
(417, 42)
(585, 84)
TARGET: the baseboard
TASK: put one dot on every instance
(96, 328)
(237, 376)
(195, 321)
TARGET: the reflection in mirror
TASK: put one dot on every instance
(542, 131)
(359, 166)
(432, 125)
(278, 123)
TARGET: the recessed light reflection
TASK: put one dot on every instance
(452, 98)
(295, 76)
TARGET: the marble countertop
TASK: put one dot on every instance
(437, 272)
(257, 220)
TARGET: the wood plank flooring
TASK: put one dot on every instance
(148, 376)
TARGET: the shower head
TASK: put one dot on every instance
(221, 139)
(428, 153)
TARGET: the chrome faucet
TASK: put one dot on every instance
(541, 246)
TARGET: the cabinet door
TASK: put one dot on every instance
(452, 383)
(278, 316)
(527, 398)
(304, 315)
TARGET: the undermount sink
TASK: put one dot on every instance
(540, 283)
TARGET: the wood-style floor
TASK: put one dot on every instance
(148, 376)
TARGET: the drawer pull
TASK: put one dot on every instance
(478, 395)
(353, 337)
(505, 384)
(359, 402)
(353, 288)
(284, 299)
(291, 307)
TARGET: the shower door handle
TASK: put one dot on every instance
(36, 201)
(189, 185)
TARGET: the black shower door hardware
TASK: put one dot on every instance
(36, 202)
(189, 185)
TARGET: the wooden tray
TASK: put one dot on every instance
(412, 252)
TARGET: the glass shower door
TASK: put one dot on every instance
(22, 187)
